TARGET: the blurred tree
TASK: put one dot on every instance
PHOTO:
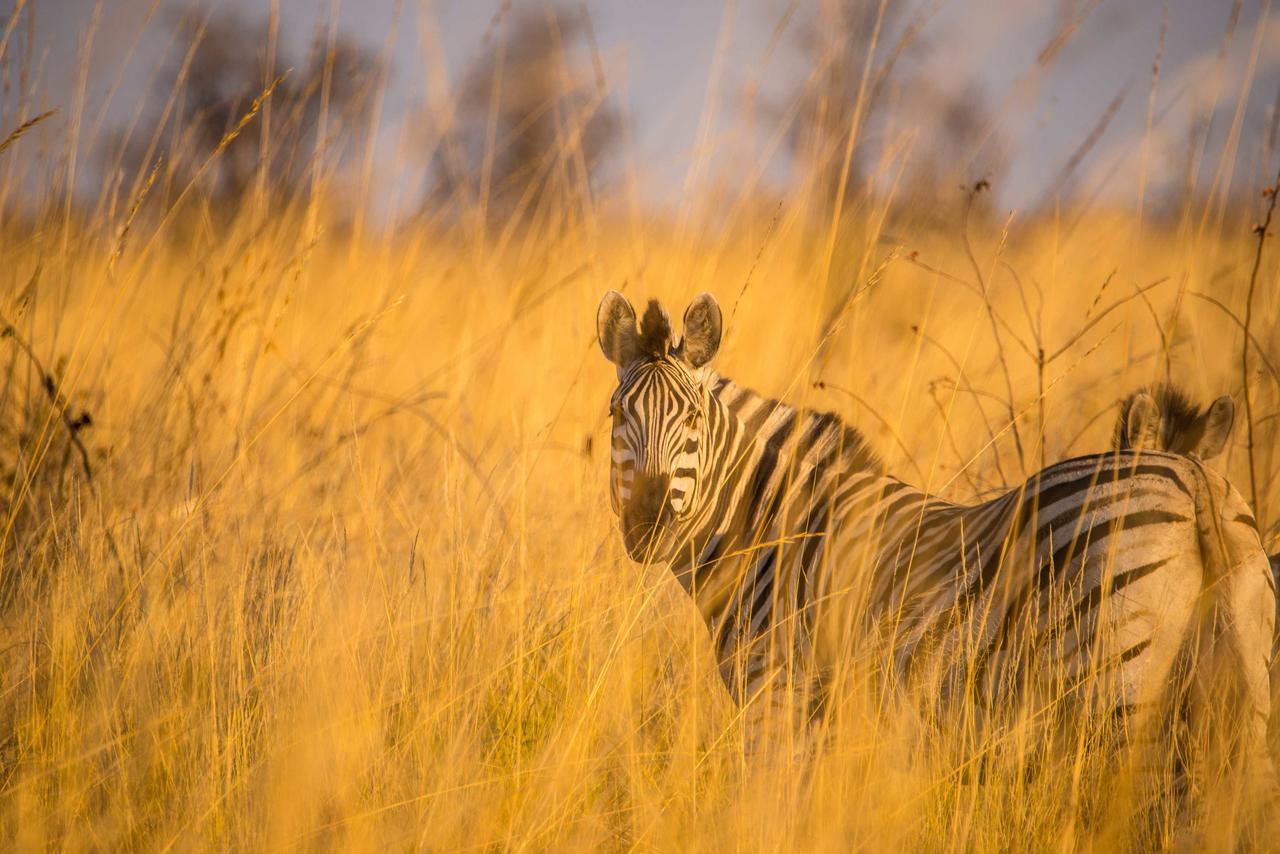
(870, 114)
(531, 129)
(210, 89)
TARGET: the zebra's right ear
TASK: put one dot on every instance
(616, 329)
(1142, 422)
(1217, 428)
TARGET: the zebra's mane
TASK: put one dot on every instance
(1178, 414)
(852, 444)
(654, 340)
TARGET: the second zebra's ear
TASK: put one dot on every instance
(1217, 428)
(702, 329)
(1142, 423)
(616, 329)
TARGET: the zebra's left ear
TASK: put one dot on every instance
(702, 328)
(1217, 427)
(1141, 419)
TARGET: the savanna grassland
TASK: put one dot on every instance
(306, 534)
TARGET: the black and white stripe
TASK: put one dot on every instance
(1166, 419)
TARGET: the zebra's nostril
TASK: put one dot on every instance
(645, 524)
(647, 514)
(650, 499)
(646, 540)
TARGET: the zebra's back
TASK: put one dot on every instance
(1088, 575)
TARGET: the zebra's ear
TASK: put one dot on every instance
(702, 328)
(1142, 423)
(1217, 428)
(616, 329)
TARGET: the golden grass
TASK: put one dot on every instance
(346, 574)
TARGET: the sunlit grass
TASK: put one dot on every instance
(345, 571)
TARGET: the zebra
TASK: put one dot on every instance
(795, 544)
(1165, 418)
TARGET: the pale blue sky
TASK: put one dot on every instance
(660, 54)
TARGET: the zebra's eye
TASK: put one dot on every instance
(693, 419)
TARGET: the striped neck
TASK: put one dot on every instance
(757, 445)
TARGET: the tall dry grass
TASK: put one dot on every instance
(341, 570)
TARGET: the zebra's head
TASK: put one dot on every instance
(660, 417)
(1165, 419)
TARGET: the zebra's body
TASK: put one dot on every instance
(967, 585)
(1165, 418)
(796, 546)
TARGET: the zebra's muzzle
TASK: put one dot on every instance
(647, 518)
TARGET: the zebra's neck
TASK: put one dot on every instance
(760, 452)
